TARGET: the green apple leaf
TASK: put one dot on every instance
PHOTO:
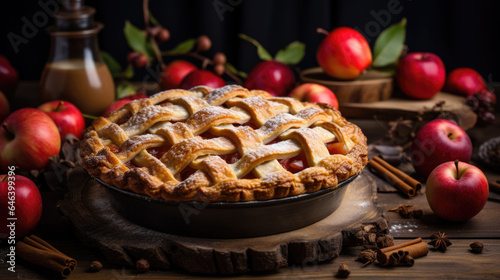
(125, 89)
(153, 19)
(389, 44)
(137, 40)
(182, 48)
(233, 69)
(292, 54)
(129, 72)
(90, 117)
(391, 69)
(113, 66)
(261, 52)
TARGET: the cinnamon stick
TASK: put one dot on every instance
(42, 258)
(391, 177)
(409, 260)
(397, 253)
(403, 176)
(494, 186)
(37, 242)
(402, 245)
(37, 251)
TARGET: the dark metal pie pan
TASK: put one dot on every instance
(227, 219)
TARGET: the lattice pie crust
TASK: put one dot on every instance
(173, 145)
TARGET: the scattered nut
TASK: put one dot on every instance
(369, 228)
(359, 236)
(142, 265)
(385, 241)
(371, 238)
(476, 247)
(367, 256)
(95, 266)
(343, 271)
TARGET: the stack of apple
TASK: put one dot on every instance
(455, 190)
(28, 138)
(422, 75)
(344, 54)
(185, 75)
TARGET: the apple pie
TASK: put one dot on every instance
(224, 144)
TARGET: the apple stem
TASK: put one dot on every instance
(154, 45)
(321, 30)
(4, 125)
(456, 166)
(59, 105)
(205, 63)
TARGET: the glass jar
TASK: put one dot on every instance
(75, 71)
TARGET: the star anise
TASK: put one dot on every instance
(440, 241)
(406, 211)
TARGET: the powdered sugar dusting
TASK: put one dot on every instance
(275, 122)
(308, 112)
(273, 177)
(143, 116)
(219, 93)
(255, 101)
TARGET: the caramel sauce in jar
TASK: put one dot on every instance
(89, 87)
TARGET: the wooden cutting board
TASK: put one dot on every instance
(395, 107)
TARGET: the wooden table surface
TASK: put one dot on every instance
(457, 262)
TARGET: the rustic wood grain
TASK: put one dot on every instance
(456, 263)
(395, 107)
(370, 87)
(98, 225)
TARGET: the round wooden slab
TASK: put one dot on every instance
(370, 86)
(97, 224)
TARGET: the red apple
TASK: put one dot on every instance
(456, 191)
(174, 73)
(122, 101)
(20, 196)
(420, 75)
(464, 81)
(311, 92)
(344, 53)
(28, 137)
(8, 77)
(271, 76)
(202, 78)
(4, 106)
(66, 116)
(439, 141)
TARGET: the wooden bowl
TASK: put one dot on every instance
(371, 86)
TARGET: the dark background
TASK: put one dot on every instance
(462, 33)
